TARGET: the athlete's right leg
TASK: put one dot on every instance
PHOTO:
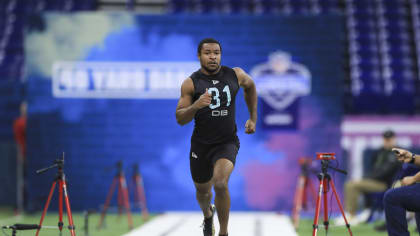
(201, 172)
(222, 171)
(204, 196)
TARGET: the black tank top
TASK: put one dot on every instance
(216, 122)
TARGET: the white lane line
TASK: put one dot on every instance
(240, 223)
(274, 224)
(158, 226)
(191, 226)
(257, 230)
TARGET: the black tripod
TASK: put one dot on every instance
(324, 182)
(16, 227)
(60, 179)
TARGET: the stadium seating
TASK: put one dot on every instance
(382, 54)
(381, 39)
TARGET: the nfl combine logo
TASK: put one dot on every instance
(280, 83)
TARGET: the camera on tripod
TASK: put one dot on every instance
(326, 156)
(325, 183)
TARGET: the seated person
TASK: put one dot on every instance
(380, 179)
(398, 201)
(408, 170)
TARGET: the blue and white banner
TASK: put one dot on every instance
(143, 80)
(103, 87)
(280, 84)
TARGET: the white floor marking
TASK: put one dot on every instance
(240, 223)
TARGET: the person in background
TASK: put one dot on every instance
(406, 198)
(380, 179)
(19, 131)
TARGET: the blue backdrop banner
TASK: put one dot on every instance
(103, 87)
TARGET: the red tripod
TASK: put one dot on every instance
(140, 197)
(324, 182)
(62, 187)
(122, 196)
(304, 183)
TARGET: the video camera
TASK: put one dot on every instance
(325, 156)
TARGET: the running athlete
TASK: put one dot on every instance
(208, 96)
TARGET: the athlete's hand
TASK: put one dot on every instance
(402, 155)
(204, 100)
(250, 127)
(409, 180)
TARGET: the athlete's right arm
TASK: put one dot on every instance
(186, 109)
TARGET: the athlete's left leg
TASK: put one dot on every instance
(222, 170)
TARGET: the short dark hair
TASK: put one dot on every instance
(388, 134)
(207, 40)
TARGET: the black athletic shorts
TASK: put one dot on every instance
(204, 156)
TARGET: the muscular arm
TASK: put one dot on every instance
(250, 92)
(186, 109)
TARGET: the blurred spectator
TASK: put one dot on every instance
(406, 198)
(380, 179)
(19, 130)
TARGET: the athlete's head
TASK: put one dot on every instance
(209, 53)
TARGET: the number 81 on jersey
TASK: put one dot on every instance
(216, 97)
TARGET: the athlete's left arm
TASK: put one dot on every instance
(250, 94)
